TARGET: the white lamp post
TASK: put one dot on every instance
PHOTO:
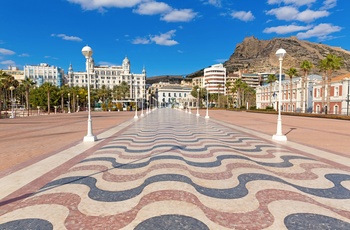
(12, 112)
(142, 100)
(87, 52)
(197, 103)
(207, 113)
(279, 136)
(136, 101)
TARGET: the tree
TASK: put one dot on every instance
(123, 89)
(6, 80)
(27, 84)
(291, 72)
(271, 78)
(306, 66)
(48, 87)
(330, 64)
(239, 88)
(228, 85)
(62, 92)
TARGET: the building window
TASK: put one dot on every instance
(336, 92)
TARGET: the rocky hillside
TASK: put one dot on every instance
(259, 55)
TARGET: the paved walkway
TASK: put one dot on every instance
(174, 170)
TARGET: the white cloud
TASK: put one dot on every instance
(24, 55)
(184, 15)
(321, 31)
(142, 41)
(6, 52)
(152, 8)
(286, 13)
(66, 37)
(8, 63)
(285, 29)
(165, 39)
(290, 13)
(292, 2)
(216, 3)
(243, 15)
(310, 15)
(100, 4)
(329, 4)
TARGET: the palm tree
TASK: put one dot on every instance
(228, 86)
(271, 78)
(123, 89)
(6, 81)
(306, 66)
(323, 68)
(62, 91)
(331, 63)
(291, 72)
(48, 87)
(219, 87)
(239, 87)
(28, 84)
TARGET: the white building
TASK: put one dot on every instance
(267, 95)
(44, 73)
(215, 79)
(110, 76)
(174, 95)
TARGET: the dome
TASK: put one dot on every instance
(126, 60)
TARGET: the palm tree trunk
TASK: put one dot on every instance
(302, 94)
(291, 96)
(323, 91)
(48, 103)
(27, 101)
(328, 93)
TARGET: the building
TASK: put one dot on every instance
(43, 73)
(267, 95)
(15, 72)
(339, 96)
(174, 95)
(110, 76)
(215, 79)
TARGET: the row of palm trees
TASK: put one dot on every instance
(49, 96)
(327, 66)
(238, 93)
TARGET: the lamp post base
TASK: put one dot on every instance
(277, 137)
(90, 138)
(207, 117)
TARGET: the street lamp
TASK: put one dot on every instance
(207, 113)
(197, 102)
(68, 102)
(143, 90)
(136, 101)
(12, 112)
(279, 136)
(87, 52)
(347, 98)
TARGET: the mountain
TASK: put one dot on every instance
(175, 79)
(259, 55)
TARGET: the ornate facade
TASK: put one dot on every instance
(110, 76)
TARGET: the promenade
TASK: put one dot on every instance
(174, 170)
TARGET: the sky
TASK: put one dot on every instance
(170, 37)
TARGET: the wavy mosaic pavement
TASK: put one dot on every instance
(172, 170)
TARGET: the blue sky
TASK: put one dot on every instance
(174, 37)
